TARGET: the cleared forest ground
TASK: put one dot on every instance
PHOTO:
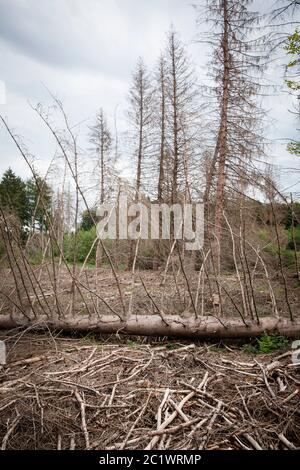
(59, 392)
(148, 290)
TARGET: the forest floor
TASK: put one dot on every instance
(93, 392)
(169, 291)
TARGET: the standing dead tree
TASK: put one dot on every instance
(141, 118)
(161, 122)
(183, 115)
(234, 69)
(101, 139)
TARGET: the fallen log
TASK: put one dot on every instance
(153, 325)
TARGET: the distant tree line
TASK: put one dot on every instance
(26, 199)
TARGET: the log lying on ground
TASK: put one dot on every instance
(153, 325)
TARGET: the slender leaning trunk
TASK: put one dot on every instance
(223, 137)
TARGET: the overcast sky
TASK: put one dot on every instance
(84, 52)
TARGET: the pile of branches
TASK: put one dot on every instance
(67, 393)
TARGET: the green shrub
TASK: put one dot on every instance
(266, 344)
(263, 234)
(84, 242)
(288, 257)
(290, 244)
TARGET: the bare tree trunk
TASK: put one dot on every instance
(140, 145)
(141, 102)
(161, 176)
(223, 130)
(102, 170)
(154, 325)
(138, 174)
(100, 137)
(210, 175)
(175, 123)
(281, 262)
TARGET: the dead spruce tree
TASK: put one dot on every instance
(238, 118)
(101, 139)
(182, 116)
(140, 120)
(161, 124)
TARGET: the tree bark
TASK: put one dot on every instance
(222, 140)
(162, 133)
(154, 325)
(102, 166)
(175, 123)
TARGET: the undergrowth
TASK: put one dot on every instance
(266, 344)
